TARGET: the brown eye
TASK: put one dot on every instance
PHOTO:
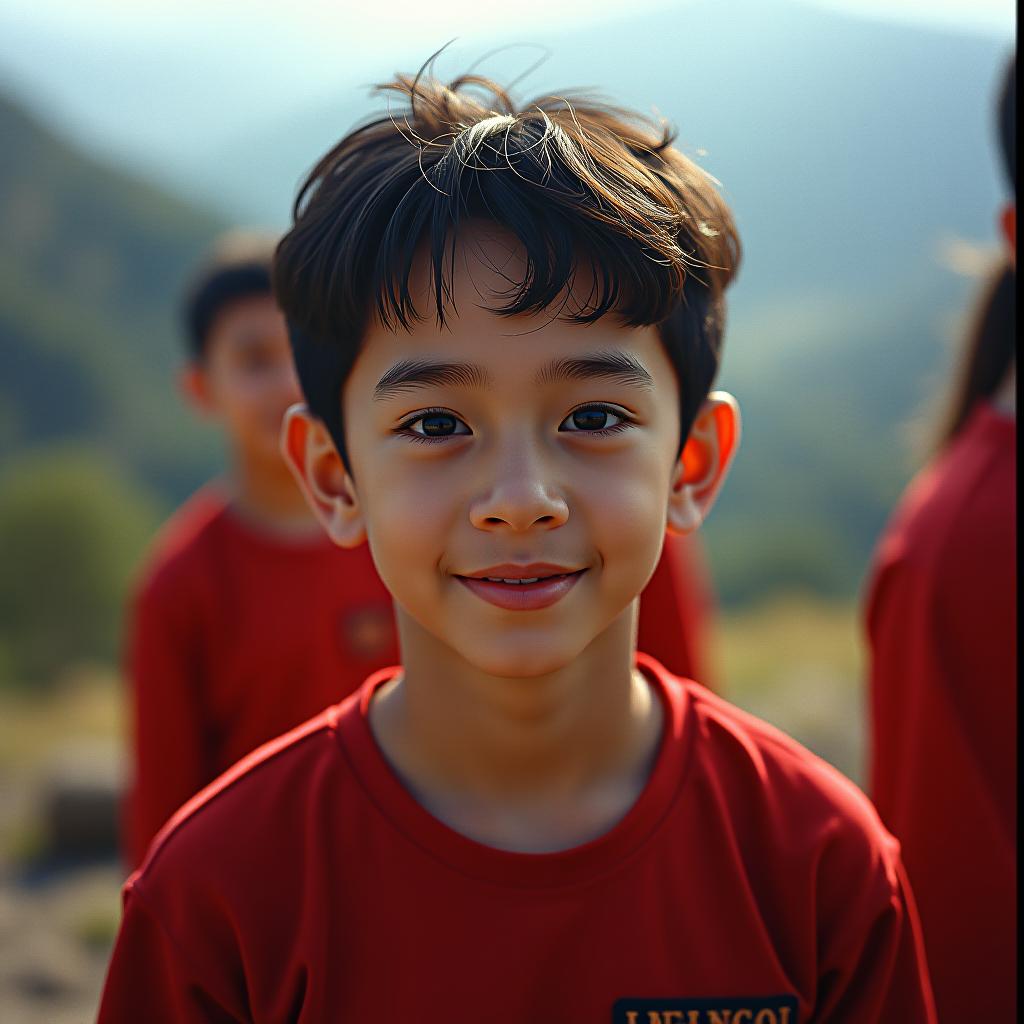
(591, 418)
(435, 424)
(439, 425)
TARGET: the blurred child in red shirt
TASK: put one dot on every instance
(247, 619)
(942, 621)
(507, 320)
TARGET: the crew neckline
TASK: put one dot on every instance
(315, 542)
(571, 867)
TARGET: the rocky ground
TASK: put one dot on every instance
(55, 937)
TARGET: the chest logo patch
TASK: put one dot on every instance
(728, 1010)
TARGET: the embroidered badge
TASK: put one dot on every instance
(742, 1010)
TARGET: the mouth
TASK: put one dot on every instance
(522, 587)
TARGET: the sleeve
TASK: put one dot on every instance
(676, 609)
(871, 955)
(168, 748)
(150, 977)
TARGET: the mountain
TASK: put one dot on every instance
(92, 262)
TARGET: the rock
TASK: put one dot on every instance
(81, 803)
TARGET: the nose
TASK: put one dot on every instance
(519, 497)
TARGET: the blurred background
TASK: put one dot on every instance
(852, 138)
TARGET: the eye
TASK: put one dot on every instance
(593, 419)
(434, 424)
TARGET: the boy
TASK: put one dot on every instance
(248, 620)
(506, 322)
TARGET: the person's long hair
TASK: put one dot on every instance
(987, 353)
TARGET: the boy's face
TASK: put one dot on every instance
(506, 448)
(246, 379)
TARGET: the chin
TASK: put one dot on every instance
(526, 660)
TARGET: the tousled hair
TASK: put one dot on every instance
(591, 192)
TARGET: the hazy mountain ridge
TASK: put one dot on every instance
(91, 266)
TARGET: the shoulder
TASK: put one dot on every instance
(954, 526)
(183, 546)
(260, 805)
(965, 491)
(779, 795)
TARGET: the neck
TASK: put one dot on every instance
(503, 759)
(264, 493)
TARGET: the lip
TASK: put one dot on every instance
(554, 583)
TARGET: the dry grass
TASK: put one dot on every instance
(85, 706)
(798, 663)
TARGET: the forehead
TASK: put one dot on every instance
(249, 320)
(487, 267)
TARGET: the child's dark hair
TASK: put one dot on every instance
(579, 183)
(989, 347)
(988, 350)
(238, 266)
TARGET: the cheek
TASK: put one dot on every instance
(239, 392)
(625, 509)
(409, 515)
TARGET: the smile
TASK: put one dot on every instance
(522, 588)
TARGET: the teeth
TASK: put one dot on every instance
(499, 579)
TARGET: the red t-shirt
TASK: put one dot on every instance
(237, 636)
(941, 618)
(308, 885)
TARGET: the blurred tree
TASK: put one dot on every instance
(71, 529)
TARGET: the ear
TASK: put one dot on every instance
(1008, 227)
(313, 459)
(705, 460)
(194, 386)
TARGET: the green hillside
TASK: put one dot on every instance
(91, 264)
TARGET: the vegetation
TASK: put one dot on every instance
(71, 528)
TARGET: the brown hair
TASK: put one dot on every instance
(581, 185)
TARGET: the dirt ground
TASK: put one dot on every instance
(793, 662)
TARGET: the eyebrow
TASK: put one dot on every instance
(618, 366)
(410, 374)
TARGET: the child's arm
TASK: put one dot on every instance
(676, 608)
(153, 978)
(168, 749)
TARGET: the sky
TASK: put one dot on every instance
(364, 24)
(142, 81)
